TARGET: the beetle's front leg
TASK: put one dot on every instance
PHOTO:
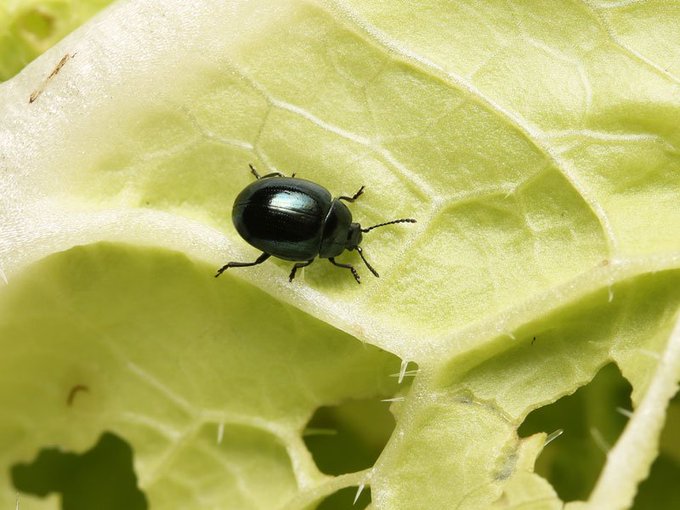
(259, 260)
(346, 266)
(258, 176)
(353, 197)
(297, 266)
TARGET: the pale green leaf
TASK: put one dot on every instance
(535, 143)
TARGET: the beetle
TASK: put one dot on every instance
(298, 220)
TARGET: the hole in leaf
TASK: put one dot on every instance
(37, 23)
(349, 437)
(102, 477)
(591, 424)
(662, 483)
(344, 498)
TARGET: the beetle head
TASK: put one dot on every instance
(354, 236)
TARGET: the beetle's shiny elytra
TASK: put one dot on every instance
(298, 220)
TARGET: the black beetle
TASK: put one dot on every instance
(296, 219)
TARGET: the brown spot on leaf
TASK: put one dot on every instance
(36, 93)
(74, 391)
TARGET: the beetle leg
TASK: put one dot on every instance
(346, 266)
(353, 197)
(297, 266)
(253, 171)
(259, 260)
(258, 176)
(369, 266)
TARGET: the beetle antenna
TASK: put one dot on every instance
(404, 220)
(369, 266)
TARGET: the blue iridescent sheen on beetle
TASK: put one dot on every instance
(298, 220)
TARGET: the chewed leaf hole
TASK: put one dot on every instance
(102, 477)
(38, 23)
(344, 500)
(592, 420)
(349, 437)
(662, 483)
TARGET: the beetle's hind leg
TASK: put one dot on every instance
(259, 260)
(346, 266)
(297, 266)
(258, 176)
(353, 197)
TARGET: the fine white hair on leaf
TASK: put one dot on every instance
(552, 436)
(394, 399)
(220, 432)
(408, 373)
(627, 413)
(402, 370)
(599, 440)
(360, 489)
(651, 354)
